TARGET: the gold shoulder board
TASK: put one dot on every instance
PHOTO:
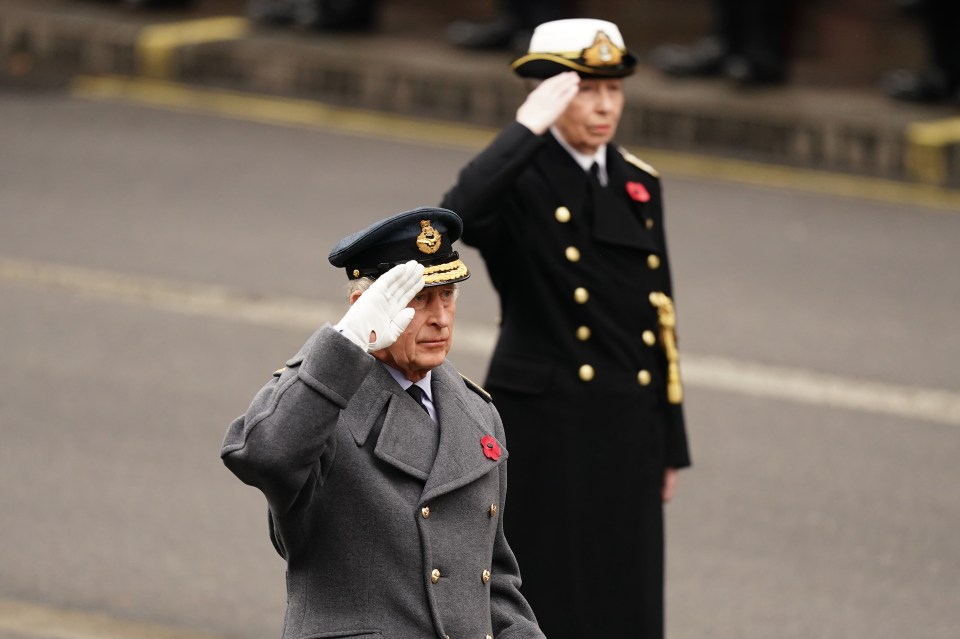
(476, 388)
(637, 162)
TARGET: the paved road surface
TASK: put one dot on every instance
(156, 267)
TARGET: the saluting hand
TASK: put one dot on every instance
(378, 317)
(548, 101)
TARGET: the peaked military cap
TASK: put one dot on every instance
(592, 48)
(425, 234)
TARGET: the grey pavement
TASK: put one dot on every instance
(406, 67)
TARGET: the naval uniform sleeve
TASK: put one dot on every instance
(676, 448)
(284, 443)
(511, 615)
(484, 184)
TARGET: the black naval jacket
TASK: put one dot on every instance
(574, 291)
(579, 376)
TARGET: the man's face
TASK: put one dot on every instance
(425, 343)
(592, 117)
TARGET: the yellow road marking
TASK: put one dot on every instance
(157, 42)
(927, 144)
(45, 622)
(476, 339)
(370, 124)
(283, 111)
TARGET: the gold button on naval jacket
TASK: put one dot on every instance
(586, 372)
(644, 377)
(648, 338)
(572, 254)
(649, 224)
(583, 333)
(425, 512)
(435, 576)
(493, 510)
(562, 214)
(485, 576)
(581, 295)
(653, 261)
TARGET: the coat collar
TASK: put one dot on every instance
(445, 457)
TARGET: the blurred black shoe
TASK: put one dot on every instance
(502, 33)
(706, 58)
(316, 14)
(928, 86)
(749, 73)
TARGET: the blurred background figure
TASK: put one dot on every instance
(513, 25)
(749, 44)
(940, 80)
(332, 15)
(159, 3)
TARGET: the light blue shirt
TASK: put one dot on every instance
(424, 385)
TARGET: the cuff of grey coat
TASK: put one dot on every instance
(332, 365)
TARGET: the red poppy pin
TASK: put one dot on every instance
(490, 447)
(638, 192)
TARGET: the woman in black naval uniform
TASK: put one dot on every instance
(585, 371)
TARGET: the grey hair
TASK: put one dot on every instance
(358, 286)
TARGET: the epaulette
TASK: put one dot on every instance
(476, 388)
(637, 162)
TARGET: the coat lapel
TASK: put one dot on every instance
(460, 459)
(564, 176)
(408, 438)
(617, 219)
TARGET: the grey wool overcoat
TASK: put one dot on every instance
(390, 525)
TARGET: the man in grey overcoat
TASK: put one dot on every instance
(385, 470)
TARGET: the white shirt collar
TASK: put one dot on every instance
(585, 161)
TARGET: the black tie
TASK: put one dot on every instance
(595, 174)
(416, 393)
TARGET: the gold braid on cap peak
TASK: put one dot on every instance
(445, 272)
(571, 63)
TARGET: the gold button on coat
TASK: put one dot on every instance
(653, 261)
(581, 295)
(425, 512)
(586, 372)
(562, 214)
(485, 576)
(644, 377)
(583, 333)
(572, 254)
(435, 576)
(648, 224)
(649, 338)
(493, 510)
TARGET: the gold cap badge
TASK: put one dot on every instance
(429, 239)
(602, 53)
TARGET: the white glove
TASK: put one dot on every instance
(380, 314)
(548, 101)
